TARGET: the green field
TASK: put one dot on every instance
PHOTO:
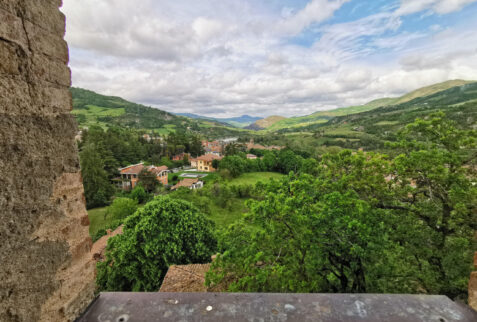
(224, 217)
(97, 220)
(91, 113)
(254, 177)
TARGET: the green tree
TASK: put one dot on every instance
(121, 208)
(310, 166)
(439, 200)
(288, 161)
(163, 232)
(216, 164)
(270, 161)
(139, 194)
(148, 180)
(167, 162)
(235, 164)
(97, 188)
(305, 236)
(234, 148)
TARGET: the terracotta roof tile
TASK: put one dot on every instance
(185, 278)
(132, 169)
(209, 157)
(185, 183)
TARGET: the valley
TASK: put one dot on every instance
(363, 161)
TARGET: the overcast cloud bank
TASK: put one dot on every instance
(228, 58)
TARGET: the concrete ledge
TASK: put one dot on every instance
(123, 307)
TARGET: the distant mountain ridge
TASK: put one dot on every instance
(239, 121)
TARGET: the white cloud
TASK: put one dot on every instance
(226, 58)
(314, 12)
(438, 6)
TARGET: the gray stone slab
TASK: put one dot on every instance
(127, 307)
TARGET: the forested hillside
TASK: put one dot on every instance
(91, 108)
(371, 129)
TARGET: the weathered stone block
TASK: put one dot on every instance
(11, 6)
(10, 61)
(11, 29)
(51, 70)
(43, 42)
(44, 14)
(14, 96)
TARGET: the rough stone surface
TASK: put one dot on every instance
(473, 286)
(46, 271)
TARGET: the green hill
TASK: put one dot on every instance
(432, 89)
(91, 108)
(265, 123)
(324, 116)
(370, 129)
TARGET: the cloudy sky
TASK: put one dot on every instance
(270, 57)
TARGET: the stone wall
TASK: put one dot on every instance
(46, 272)
(473, 286)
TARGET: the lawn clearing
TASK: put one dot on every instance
(253, 177)
(97, 220)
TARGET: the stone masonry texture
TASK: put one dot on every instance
(46, 271)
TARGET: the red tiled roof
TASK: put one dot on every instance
(209, 157)
(155, 169)
(185, 183)
(132, 169)
(185, 278)
(137, 168)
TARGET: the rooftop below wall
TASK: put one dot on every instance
(123, 307)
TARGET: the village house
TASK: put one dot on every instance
(204, 162)
(130, 175)
(193, 162)
(214, 147)
(189, 183)
(180, 157)
(160, 172)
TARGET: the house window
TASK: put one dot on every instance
(206, 168)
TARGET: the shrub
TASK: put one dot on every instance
(121, 208)
(164, 232)
(139, 194)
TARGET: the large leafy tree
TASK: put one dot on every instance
(235, 164)
(434, 174)
(97, 188)
(312, 234)
(163, 232)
